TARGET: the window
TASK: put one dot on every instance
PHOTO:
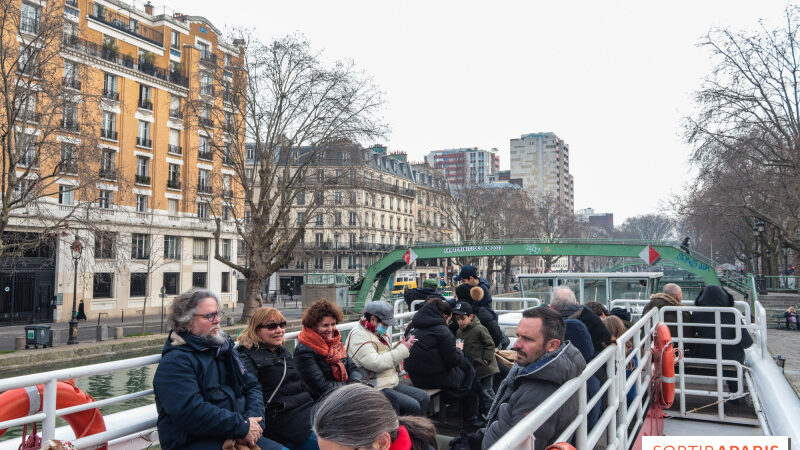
(171, 283)
(337, 261)
(301, 198)
(352, 261)
(143, 139)
(352, 241)
(172, 247)
(226, 282)
(68, 159)
(71, 74)
(140, 246)
(337, 218)
(138, 284)
(204, 149)
(29, 18)
(107, 164)
(104, 245)
(353, 218)
(66, 194)
(200, 249)
(109, 130)
(69, 116)
(205, 84)
(226, 248)
(103, 283)
(175, 107)
(318, 262)
(204, 181)
(318, 239)
(353, 197)
(141, 203)
(299, 219)
(319, 220)
(174, 141)
(174, 176)
(26, 63)
(143, 168)
(300, 264)
(337, 197)
(106, 199)
(199, 279)
(172, 206)
(174, 41)
(226, 213)
(202, 210)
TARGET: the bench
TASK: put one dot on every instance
(435, 406)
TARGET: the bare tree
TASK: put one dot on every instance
(648, 227)
(283, 112)
(553, 220)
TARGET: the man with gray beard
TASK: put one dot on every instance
(205, 397)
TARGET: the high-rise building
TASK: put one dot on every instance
(465, 166)
(541, 162)
(148, 218)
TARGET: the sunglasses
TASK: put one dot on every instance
(273, 325)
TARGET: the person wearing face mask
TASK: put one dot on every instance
(369, 346)
(320, 357)
(287, 404)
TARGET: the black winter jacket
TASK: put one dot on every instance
(711, 296)
(597, 329)
(198, 396)
(418, 294)
(434, 356)
(317, 375)
(288, 415)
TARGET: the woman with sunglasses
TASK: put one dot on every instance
(288, 405)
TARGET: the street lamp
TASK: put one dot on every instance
(758, 233)
(77, 249)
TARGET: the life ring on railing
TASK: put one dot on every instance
(560, 446)
(23, 402)
(664, 356)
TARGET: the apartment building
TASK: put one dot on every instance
(148, 218)
(465, 166)
(541, 162)
(433, 222)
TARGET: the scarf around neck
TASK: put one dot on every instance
(403, 440)
(333, 351)
(374, 331)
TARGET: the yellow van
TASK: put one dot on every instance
(400, 287)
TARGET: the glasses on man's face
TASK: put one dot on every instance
(212, 316)
(273, 325)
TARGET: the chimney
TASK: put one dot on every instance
(148, 8)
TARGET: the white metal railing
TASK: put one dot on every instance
(618, 421)
(635, 307)
(509, 304)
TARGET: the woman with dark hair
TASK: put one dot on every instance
(358, 416)
(287, 404)
(320, 357)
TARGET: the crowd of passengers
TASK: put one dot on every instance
(335, 393)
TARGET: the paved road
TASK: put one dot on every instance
(787, 344)
(87, 330)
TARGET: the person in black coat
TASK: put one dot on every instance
(437, 362)
(482, 304)
(320, 358)
(287, 404)
(428, 288)
(715, 296)
(81, 315)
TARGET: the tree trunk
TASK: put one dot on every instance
(252, 297)
(507, 274)
(144, 308)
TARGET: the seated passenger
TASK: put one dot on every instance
(563, 300)
(369, 346)
(617, 329)
(436, 362)
(478, 348)
(482, 305)
(598, 309)
(624, 315)
(428, 288)
(287, 404)
(320, 357)
(359, 417)
(205, 397)
(671, 296)
(791, 319)
(545, 362)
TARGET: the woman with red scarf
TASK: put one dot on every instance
(358, 416)
(320, 357)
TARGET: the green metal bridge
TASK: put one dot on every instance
(381, 272)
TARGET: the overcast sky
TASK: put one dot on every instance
(613, 79)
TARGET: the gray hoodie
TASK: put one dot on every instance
(531, 386)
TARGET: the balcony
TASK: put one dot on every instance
(108, 134)
(173, 184)
(204, 189)
(144, 142)
(227, 160)
(143, 179)
(27, 115)
(70, 125)
(68, 166)
(122, 23)
(111, 95)
(175, 114)
(206, 155)
(205, 122)
(72, 83)
(175, 149)
(227, 193)
(208, 59)
(145, 104)
(29, 25)
(207, 90)
(108, 173)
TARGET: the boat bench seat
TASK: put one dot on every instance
(435, 406)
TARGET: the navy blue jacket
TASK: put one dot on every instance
(198, 396)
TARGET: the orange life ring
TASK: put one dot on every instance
(560, 446)
(23, 402)
(665, 356)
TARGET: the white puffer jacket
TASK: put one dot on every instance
(367, 351)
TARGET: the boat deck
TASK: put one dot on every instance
(686, 427)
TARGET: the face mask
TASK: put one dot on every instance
(381, 329)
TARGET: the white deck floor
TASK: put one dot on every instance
(683, 427)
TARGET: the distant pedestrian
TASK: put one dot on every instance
(81, 315)
(685, 245)
(291, 294)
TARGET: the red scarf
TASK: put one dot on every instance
(371, 328)
(333, 350)
(403, 441)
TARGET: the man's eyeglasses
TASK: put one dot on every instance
(212, 316)
(273, 325)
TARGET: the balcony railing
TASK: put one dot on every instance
(143, 179)
(204, 189)
(111, 95)
(227, 160)
(28, 115)
(68, 166)
(112, 55)
(145, 104)
(70, 125)
(122, 23)
(108, 173)
(227, 193)
(173, 184)
(175, 149)
(73, 3)
(175, 114)
(207, 155)
(205, 122)
(108, 134)
(72, 83)
(207, 89)
(208, 59)
(144, 142)
(29, 25)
